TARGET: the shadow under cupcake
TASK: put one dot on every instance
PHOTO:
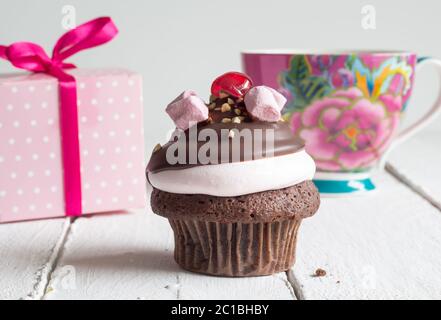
(235, 210)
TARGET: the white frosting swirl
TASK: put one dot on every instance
(237, 178)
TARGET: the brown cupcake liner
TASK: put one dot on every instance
(235, 249)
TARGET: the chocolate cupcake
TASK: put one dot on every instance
(233, 181)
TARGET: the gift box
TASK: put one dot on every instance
(110, 137)
(55, 162)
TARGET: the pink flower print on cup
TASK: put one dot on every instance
(345, 131)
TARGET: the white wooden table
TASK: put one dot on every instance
(383, 246)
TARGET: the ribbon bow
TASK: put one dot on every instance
(32, 57)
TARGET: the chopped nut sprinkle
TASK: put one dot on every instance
(230, 101)
(212, 106)
(237, 111)
(157, 148)
(225, 107)
(226, 120)
(237, 119)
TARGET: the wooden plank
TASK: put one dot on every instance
(383, 246)
(276, 287)
(130, 256)
(418, 162)
(116, 256)
(28, 251)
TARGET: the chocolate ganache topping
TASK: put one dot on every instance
(271, 140)
(229, 133)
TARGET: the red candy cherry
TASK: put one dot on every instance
(235, 84)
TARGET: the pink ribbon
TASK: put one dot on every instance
(31, 57)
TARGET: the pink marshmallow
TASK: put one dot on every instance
(264, 103)
(187, 108)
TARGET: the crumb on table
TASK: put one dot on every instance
(320, 272)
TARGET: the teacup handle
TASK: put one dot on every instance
(430, 115)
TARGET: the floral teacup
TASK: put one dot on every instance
(346, 106)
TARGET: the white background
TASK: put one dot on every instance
(179, 45)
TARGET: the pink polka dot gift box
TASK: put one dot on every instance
(71, 140)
